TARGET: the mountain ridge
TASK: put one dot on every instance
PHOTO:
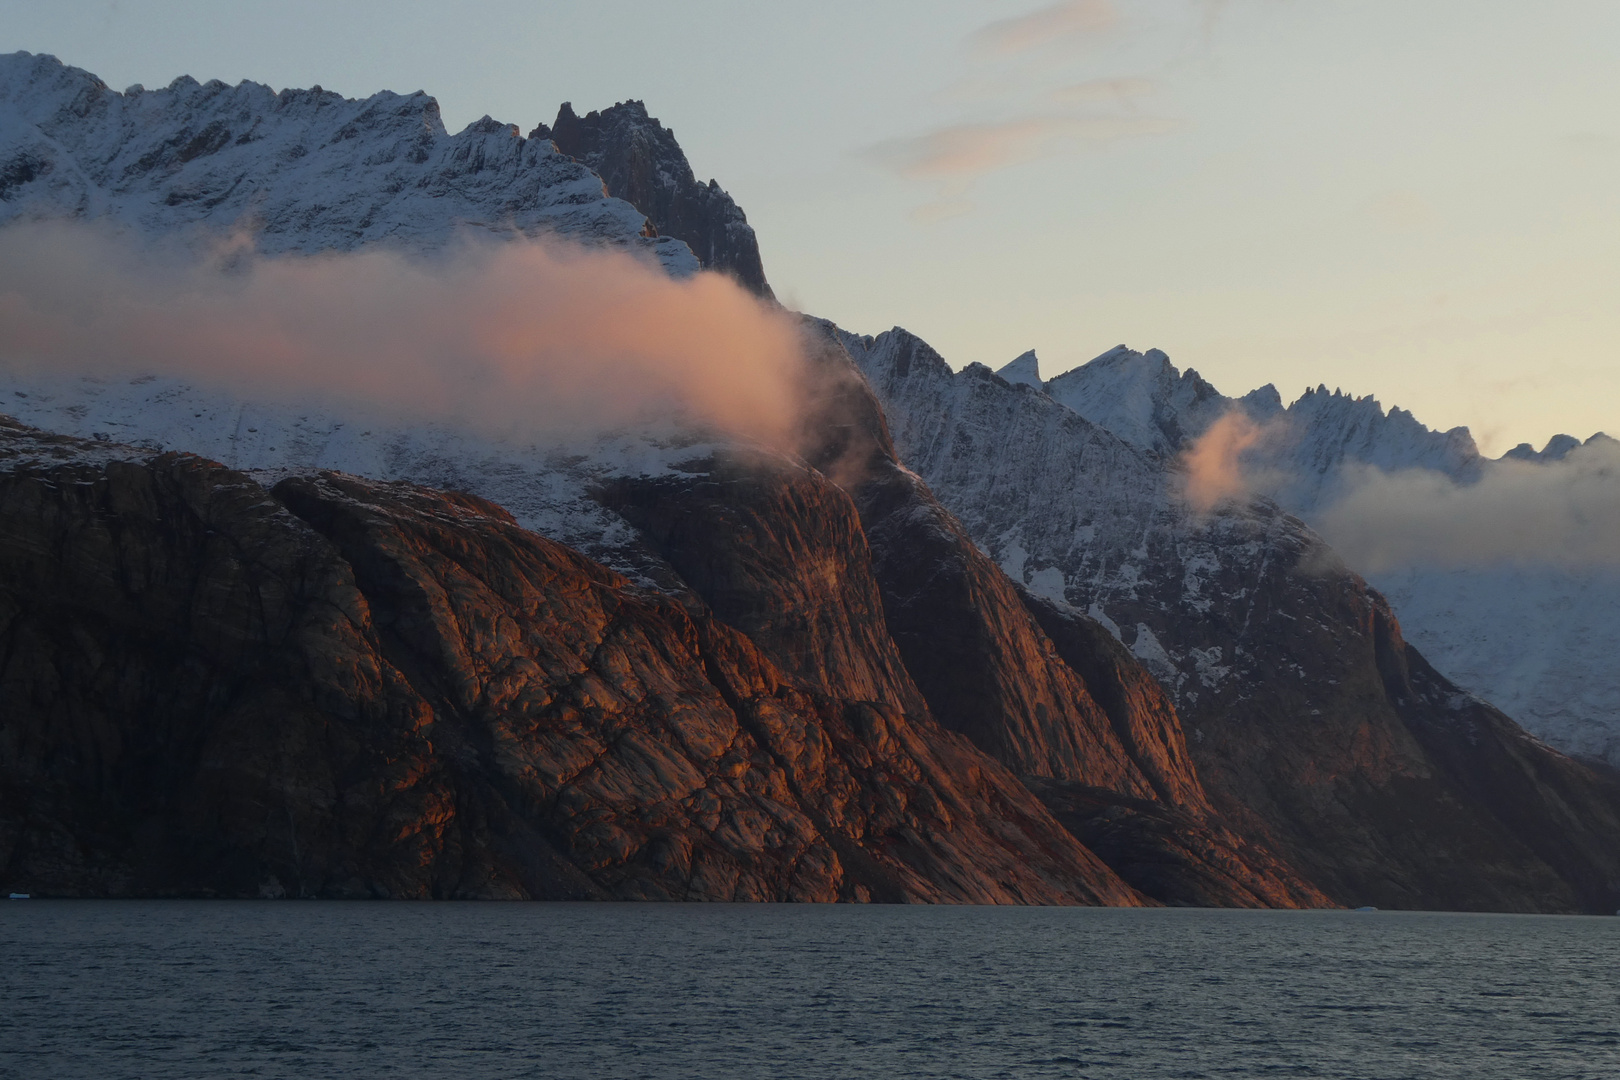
(993, 606)
(1305, 709)
(1503, 630)
(304, 170)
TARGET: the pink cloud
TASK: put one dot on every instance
(528, 339)
(1059, 22)
(1214, 462)
(973, 149)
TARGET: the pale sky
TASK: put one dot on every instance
(1417, 199)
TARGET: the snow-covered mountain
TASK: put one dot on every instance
(1138, 396)
(309, 171)
(301, 170)
(1325, 432)
(1536, 640)
(1145, 400)
(1304, 705)
(1082, 515)
(545, 487)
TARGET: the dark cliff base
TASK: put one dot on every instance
(1176, 857)
(1382, 781)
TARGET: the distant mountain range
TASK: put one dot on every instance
(1531, 634)
(966, 644)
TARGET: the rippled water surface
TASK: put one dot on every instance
(199, 989)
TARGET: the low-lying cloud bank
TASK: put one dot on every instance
(531, 340)
(1560, 513)
(1563, 513)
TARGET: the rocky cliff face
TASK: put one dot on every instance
(1062, 704)
(778, 552)
(640, 162)
(880, 598)
(347, 688)
(878, 590)
(1270, 648)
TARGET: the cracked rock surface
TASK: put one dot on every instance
(342, 687)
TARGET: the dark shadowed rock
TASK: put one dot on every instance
(1383, 782)
(1176, 857)
(1566, 812)
(640, 162)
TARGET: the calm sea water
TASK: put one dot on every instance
(318, 990)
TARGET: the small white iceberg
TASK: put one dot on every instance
(20, 896)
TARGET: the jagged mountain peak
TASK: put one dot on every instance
(1141, 397)
(21, 71)
(640, 162)
(1262, 402)
(1152, 363)
(1559, 446)
(901, 349)
(1319, 396)
(488, 125)
(1144, 399)
(1024, 371)
(1557, 449)
(313, 170)
(1331, 429)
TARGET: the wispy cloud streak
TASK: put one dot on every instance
(1214, 469)
(1104, 92)
(1049, 122)
(1065, 22)
(964, 150)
